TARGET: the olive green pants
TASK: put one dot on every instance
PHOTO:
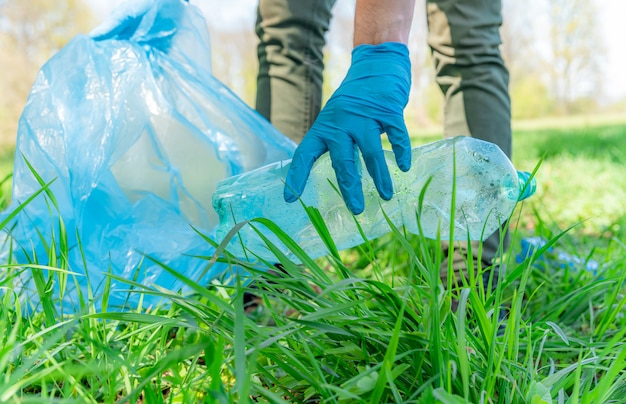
(291, 62)
(462, 34)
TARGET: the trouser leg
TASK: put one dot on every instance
(291, 65)
(464, 39)
(289, 83)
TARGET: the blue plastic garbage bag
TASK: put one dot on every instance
(133, 133)
(553, 258)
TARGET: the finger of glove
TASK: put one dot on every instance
(309, 150)
(398, 136)
(374, 157)
(343, 156)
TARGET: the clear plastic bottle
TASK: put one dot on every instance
(487, 190)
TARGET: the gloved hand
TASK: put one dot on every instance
(369, 102)
(142, 21)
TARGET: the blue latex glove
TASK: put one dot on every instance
(142, 21)
(369, 102)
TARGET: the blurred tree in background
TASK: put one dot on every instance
(575, 51)
(236, 63)
(553, 49)
(30, 33)
(529, 93)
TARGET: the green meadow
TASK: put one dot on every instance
(371, 324)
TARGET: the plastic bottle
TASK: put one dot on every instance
(487, 190)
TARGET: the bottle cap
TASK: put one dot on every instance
(527, 185)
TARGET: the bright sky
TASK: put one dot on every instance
(242, 12)
(612, 17)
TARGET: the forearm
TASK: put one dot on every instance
(379, 21)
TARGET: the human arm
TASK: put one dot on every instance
(380, 21)
(370, 101)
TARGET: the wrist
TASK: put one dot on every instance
(389, 58)
(380, 21)
(382, 50)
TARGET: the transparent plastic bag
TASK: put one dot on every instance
(133, 135)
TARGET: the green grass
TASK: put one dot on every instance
(582, 177)
(371, 324)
